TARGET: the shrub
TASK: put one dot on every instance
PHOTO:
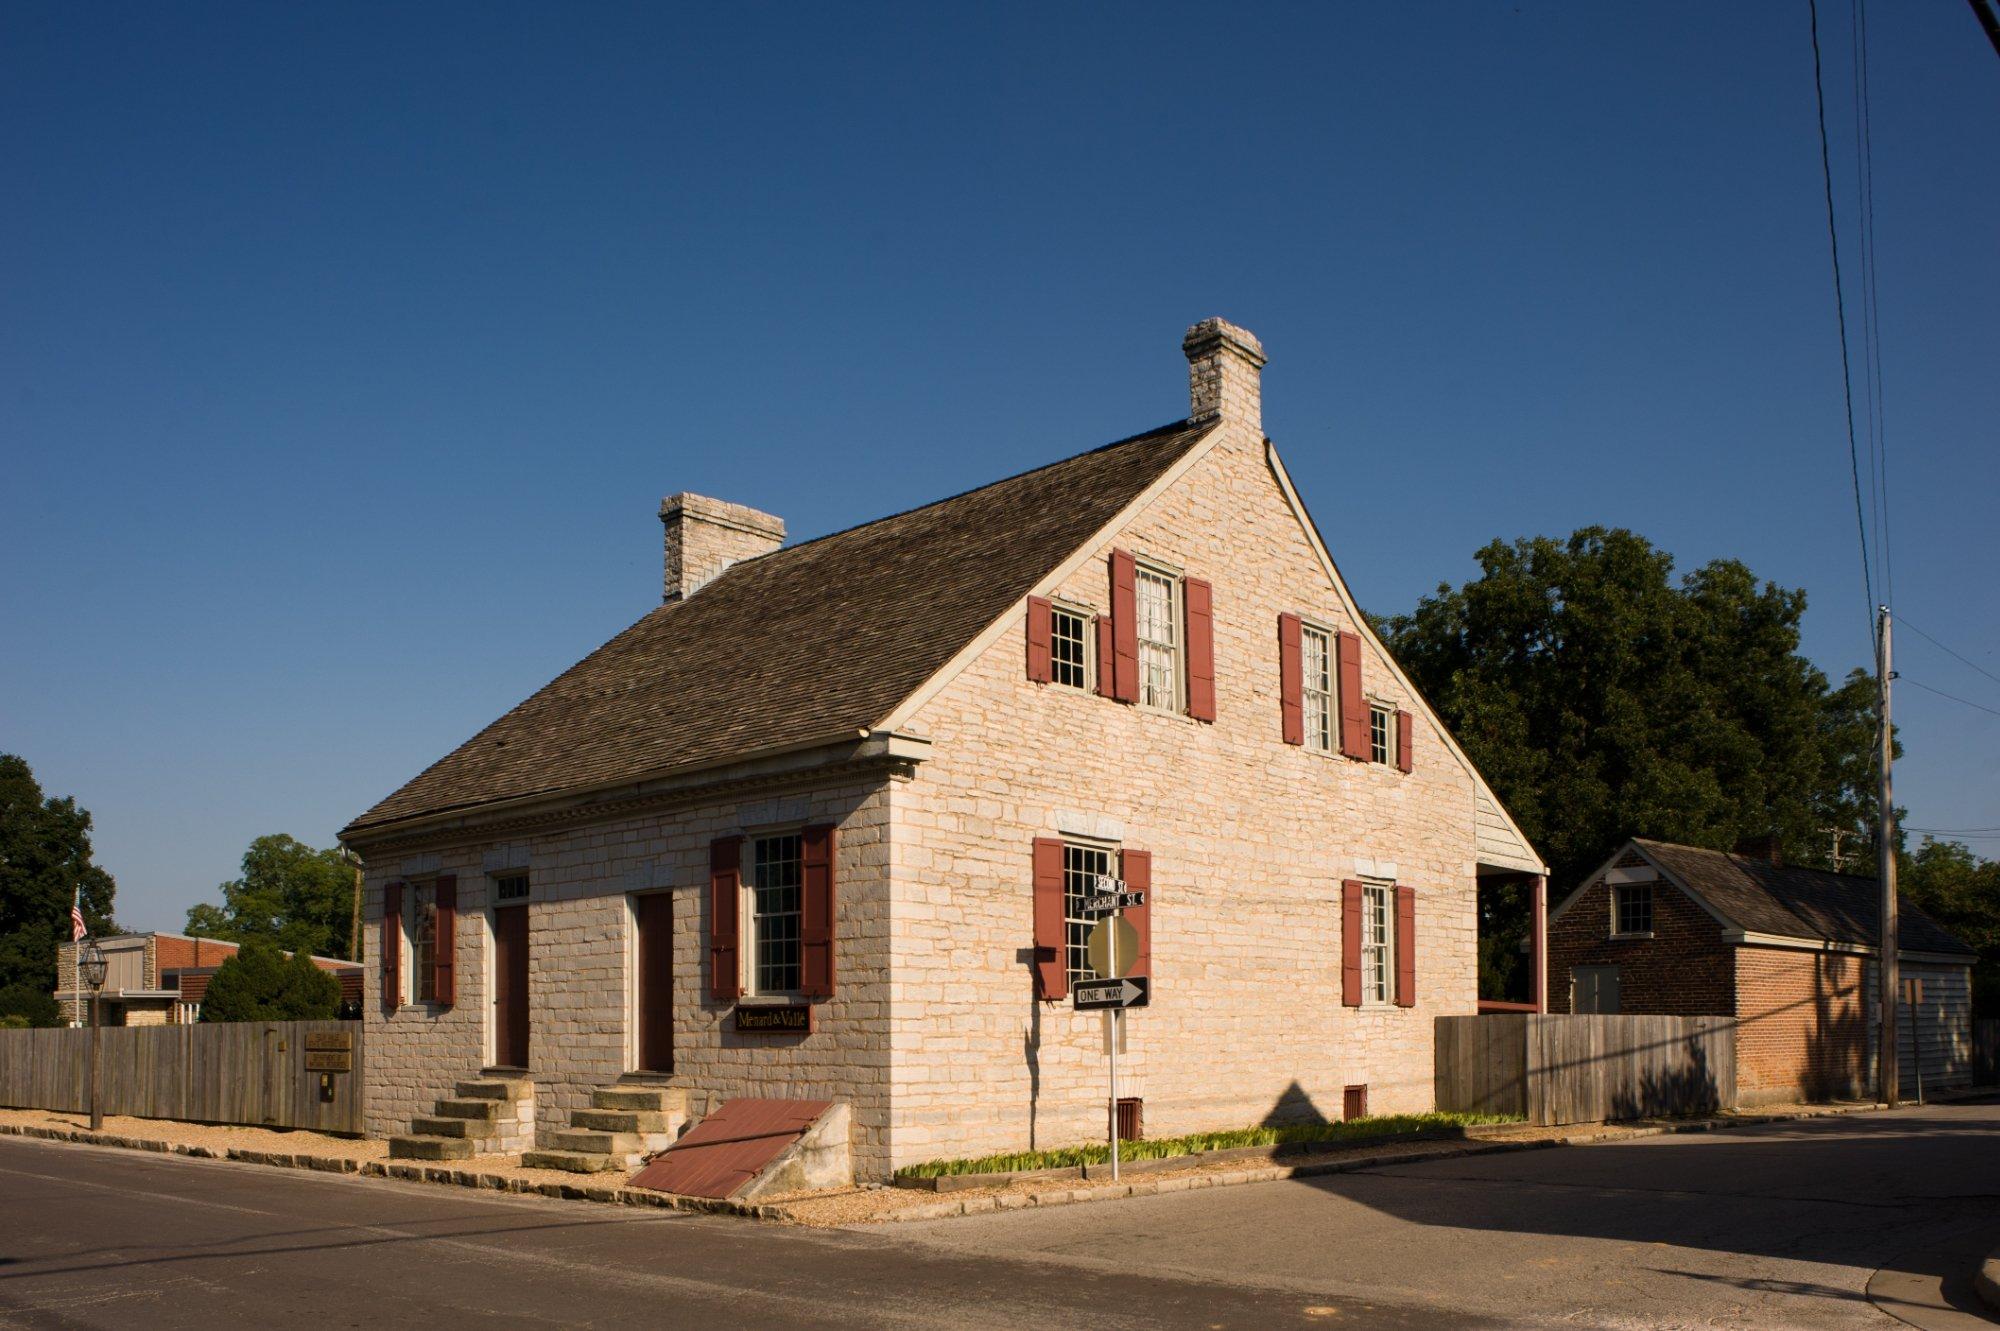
(260, 983)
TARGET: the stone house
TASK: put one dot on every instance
(819, 825)
(1787, 951)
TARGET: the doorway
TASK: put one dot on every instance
(653, 988)
(510, 985)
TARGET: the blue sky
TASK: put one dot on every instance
(348, 350)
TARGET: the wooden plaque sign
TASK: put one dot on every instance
(785, 1019)
(329, 1040)
(329, 1060)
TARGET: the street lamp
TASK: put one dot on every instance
(91, 968)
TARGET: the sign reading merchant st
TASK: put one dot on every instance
(774, 1018)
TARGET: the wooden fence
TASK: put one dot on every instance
(1986, 1051)
(252, 1072)
(1585, 1069)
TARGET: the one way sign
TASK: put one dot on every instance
(1094, 995)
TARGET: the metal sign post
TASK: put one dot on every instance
(1111, 949)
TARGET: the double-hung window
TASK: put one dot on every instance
(1069, 647)
(1632, 909)
(423, 939)
(1082, 864)
(1381, 733)
(1316, 662)
(1378, 944)
(1159, 606)
(774, 888)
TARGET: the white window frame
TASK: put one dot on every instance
(1320, 703)
(1378, 988)
(1146, 573)
(1083, 860)
(1381, 732)
(1086, 622)
(749, 945)
(1618, 893)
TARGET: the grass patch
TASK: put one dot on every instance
(1163, 1148)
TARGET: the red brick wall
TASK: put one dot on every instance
(1685, 969)
(175, 953)
(1801, 1032)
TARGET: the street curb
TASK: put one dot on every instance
(406, 1171)
(410, 1172)
(1586, 1135)
(1987, 1280)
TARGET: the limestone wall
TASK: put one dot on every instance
(1250, 841)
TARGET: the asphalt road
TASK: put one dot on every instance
(1771, 1227)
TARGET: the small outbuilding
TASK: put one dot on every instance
(1790, 952)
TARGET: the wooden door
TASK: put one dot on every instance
(510, 986)
(653, 920)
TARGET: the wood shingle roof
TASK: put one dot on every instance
(811, 643)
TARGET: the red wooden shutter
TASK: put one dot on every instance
(1404, 742)
(1406, 947)
(444, 969)
(1124, 626)
(1051, 942)
(1350, 942)
(725, 884)
(392, 947)
(1291, 680)
(816, 851)
(1041, 629)
(1200, 649)
(1136, 868)
(1353, 706)
(1107, 653)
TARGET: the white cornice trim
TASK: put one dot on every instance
(1750, 938)
(1362, 625)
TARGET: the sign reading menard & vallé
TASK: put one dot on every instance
(774, 1018)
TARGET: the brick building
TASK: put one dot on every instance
(1789, 952)
(158, 979)
(817, 826)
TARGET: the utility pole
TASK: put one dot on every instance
(1836, 833)
(354, 926)
(1888, 971)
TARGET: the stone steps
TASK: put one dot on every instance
(510, 1088)
(423, 1126)
(486, 1110)
(574, 1162)
(419, 1147)
(647, 1099)
(586, 1142)
(623, 1120)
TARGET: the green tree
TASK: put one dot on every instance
(1604, 698)
(260, 983)
(44, 857)
(298, 897)
(1962, 892)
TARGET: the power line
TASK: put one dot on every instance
(1946, 650)
(1871, 324)
(1840, 309)
(1953, 696)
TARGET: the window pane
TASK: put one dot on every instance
(1375, 944)
(1159, 644)
(1318, 677)
(1066, 648)
(1380, 724)
(775, 915)
(1081, 867)
(424, 930)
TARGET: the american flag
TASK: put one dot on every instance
(77, 928)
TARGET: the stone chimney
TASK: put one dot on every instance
(706, 536)
(1225, 373)
(1765, 846)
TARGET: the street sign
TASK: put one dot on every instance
(1112, 947)
(1108, 903)
(1098, 995)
